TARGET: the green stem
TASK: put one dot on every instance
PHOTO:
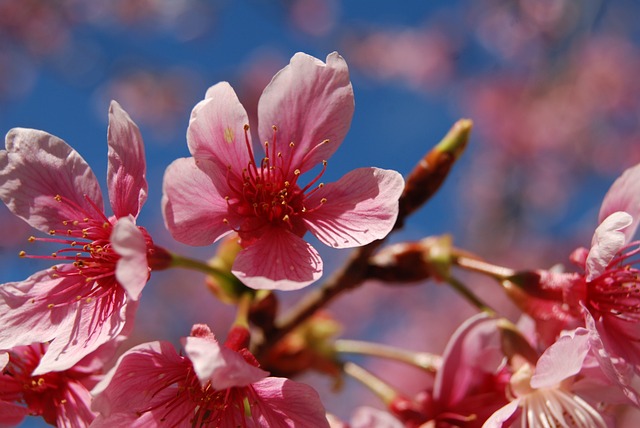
(468, 294)
(244, 306)
(188, 263)
(500, 273)
(382, 389)
(424, 360)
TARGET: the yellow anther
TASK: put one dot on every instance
(287, 184)
(86, 219)
(58, 198)
(321, 185)
(52, 232)
(22, 253)
(226, 198)
(31, 239)
(78, 297)
(65, 222)
(324, 141)
(51, 306)
(225, 221)
(105, 225)
(74, 243)
(246, 126)
(63, 401)
(296, 172)
(275, 128)
(323, 200)
(89, 300)
(54, 255)
(324, 163)
(285, 218)
(54, 268)
(291, 144)
(41, 381)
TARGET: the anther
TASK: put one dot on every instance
(296, 172)
(52, 232)
(22, 253)
(285, 218)
(323, 200)
(275, 128)
(246, 126)
(58, 198)
(225, 221)
(321, 185)
(31, 239)
(51, 306)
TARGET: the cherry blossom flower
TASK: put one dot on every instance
(152, 385)
(470, 384)
(606, 297)
(546, 395)
(91, 296)
(61, 398)
(304, 114)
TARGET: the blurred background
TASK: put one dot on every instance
(551, 85)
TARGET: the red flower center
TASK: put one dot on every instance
(617, 290)
(269, 191)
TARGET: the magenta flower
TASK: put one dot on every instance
(61, 398)
(212, 386)
(90, 297)
(304, 114)
(470, 384)
(612, 293)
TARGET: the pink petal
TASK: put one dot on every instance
(142, 377)
(607, 240)
(222, 366)
(12, 414)
(286, 404)
(24, 314)
(501, 415)
(279, 260)
(75, 411)
(216, 128)
(474, 349)
(35, 168)
(86, 330)
(194, 206)
(309, 102)
(360, 208)
(132, 269)
(616, 369)
(127, 167)
(561, 360)
(624, 195)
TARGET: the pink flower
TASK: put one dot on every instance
(212, 386)
(470, 384)
(612, 293)
(547, 395)
(304, 114)
(61, 398)
(91, 297)
(606, 298)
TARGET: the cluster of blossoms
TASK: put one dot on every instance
(572, 360)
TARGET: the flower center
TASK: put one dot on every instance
(269, 191)
(86, 253)
(42, 394)
(617, 290)
(210, 407)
